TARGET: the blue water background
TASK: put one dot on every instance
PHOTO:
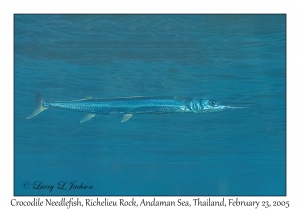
(234, 58)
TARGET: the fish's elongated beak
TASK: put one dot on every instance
(238, 105)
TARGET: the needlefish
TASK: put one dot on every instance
(128, 106)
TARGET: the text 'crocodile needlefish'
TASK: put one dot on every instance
(129, 106)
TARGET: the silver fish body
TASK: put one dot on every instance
(130, 105)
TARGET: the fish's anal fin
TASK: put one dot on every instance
(126, 117)
(87, 117)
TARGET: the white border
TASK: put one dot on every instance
(10, 7)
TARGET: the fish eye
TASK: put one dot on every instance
(212, 103)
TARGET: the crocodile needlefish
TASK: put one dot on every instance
(129, 106)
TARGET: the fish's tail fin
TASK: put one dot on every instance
(39, 105)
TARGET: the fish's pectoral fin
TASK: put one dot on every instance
(87, 117)
(126, 117)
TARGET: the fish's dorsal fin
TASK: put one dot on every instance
(126, 117)
(87, 117)
(86, 96)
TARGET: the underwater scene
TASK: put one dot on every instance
(140, 105)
